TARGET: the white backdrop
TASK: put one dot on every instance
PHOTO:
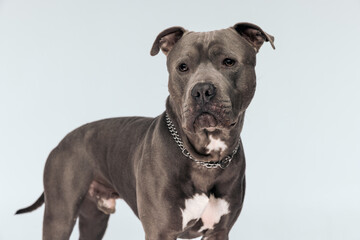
(67, 62)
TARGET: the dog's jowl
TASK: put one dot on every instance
(183, 172)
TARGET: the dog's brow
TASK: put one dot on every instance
(207, 38)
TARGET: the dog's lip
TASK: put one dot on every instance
(233, 124)
(206, 118)
(219, 123)
(211, 129)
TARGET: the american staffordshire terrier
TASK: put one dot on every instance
(183, 172)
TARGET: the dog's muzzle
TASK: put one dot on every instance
(205, 111)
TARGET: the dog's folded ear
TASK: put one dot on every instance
(166, 40)
(254, 34)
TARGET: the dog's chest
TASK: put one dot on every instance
(208, 209)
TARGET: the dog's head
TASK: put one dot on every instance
(211, 74)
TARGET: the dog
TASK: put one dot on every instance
(183, 172)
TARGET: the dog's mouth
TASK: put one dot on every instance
(214, 116)
(205, 121)
(210, 122)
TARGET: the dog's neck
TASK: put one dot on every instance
(204, 145)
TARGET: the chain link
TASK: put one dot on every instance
(222, 163)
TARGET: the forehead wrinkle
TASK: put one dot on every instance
(208, 38)
(203, 44)
(204, 41)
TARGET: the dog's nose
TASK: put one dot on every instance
(203, 92)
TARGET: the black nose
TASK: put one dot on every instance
(203, 92)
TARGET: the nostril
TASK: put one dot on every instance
(210, 91)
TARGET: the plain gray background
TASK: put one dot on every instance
(64, 63)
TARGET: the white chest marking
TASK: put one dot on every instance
(215, 209)
(216, 145)
(194, 207)
(210, 210)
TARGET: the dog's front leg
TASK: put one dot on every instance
(159, 223)
(222, 235)
(159, 213)
(159, 236)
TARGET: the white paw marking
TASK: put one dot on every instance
(210, 210)
(216, 145)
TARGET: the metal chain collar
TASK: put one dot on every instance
(222, 163)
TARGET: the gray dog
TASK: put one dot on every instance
(183, 172)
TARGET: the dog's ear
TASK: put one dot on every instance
(254, 34)
(166, 40)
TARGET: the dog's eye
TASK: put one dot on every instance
(183, 67)
(228, 62)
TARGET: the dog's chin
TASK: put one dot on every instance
(205, 121)
(210, 123)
